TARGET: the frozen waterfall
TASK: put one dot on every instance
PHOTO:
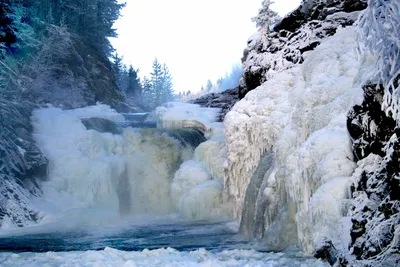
(137, 172)
(289, 156)
(281, 163)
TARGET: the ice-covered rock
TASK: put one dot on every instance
(177, 115)
(224, 100)
(299, 115)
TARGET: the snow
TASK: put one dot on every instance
(176, 115)
(300, 114)
(166, 257)
(380, 33)
(98, 111)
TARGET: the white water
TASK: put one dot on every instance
(118, 175)
(159, 257)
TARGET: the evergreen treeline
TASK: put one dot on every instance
(149, 93)
(56, 51)
(91, 19)
(229, 81)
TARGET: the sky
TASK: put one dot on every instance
(198, 40)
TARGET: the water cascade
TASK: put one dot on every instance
(96, 162)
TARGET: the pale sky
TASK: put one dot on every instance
(198, 40)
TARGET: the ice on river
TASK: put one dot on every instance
(157, 257)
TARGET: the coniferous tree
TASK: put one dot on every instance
(117, 64)
(147, 92)
(167, 91)
(157, 82)
(159, 86)
(133, 89)
(266, 16)
(79, 30)
(7, 31)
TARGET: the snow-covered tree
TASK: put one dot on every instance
(266, 16)
(380, 30)
(159, 88)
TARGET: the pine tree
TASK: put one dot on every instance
(117, 64)
(133, 89)
(147, 93)
(157, 82)
(7, 31)
(167, 91)
(266, 16)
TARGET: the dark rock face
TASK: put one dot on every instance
(376, 213)
(327, 251)
(317, 10)
(225, 101)
(22, 164)
(299, 32)
(368, 135)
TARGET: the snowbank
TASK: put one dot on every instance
(98, 111)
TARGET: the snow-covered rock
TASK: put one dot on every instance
(22, 165)
(224, 100)
(374, 128)
(289, 43)
(299, 116)
(375, 214)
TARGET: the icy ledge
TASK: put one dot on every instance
(177, 115)
(299, 115)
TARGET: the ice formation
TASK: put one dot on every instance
(166, 257)
(300, 116)
(195, 193)
(122, 174)
(176, 115)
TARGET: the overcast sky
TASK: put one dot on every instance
(198, 40)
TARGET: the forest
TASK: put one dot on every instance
(58, 52)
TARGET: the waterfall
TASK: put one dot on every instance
(94, 163)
